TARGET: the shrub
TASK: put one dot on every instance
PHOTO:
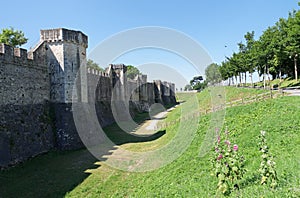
(267, 168)
(227, 163)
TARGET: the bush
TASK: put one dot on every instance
(267, 168)
(227, 163)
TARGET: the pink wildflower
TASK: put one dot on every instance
(235, 147)
(217, 149)
(219, 139)
(220, 157)
(227, 142)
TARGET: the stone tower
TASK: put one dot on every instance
(119, 81)
(66, 59)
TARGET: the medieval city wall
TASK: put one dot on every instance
(39, 87)
(25, 121)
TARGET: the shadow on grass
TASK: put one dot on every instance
(56, 173)
(119, 137)
(251, 180)
(49, 175)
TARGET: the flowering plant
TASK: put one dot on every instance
(267, 168)
(227, 163)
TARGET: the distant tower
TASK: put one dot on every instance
(66, 59)
(119, 81)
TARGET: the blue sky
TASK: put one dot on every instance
(213, 24)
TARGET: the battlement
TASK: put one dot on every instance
(141, 77)
(62, 34)
(164, 83)
(19, 55)
(118, 67)
(157, 82)
(96, 72)
(131, 80)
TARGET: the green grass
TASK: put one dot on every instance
(233, 93)
(227, 94)
(48, 175)
(287, 82)
(188, 175)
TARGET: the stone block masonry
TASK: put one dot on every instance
(39, 87)
(25, 124)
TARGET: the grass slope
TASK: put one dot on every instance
(189, 175)
(287, 82)
(73, 174)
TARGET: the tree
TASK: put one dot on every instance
(249, 57)
(293, 39)
(12, 37)
(92, 65)
(226, 71)
(200, 86)
(213, 74)
(196, 83)
(276, 52)
(132, 71)
(187, 87)
(196, 80)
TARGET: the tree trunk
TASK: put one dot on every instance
(265, 77)
(269, 82)
(250, 75)
(258, 72)
(280, 76)
(296, 72)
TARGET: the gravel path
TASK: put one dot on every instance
(293, 92)
(150, 126)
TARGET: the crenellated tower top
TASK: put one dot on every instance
(66, 59)
(62, 34)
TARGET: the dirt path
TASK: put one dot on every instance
(293, 92)
(150, 126)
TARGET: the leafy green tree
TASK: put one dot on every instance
(196, 80)
(275, 53)
(234, 65)
(213, 74)
(242, 61)
(92, 65)
(187, 87)
(196, 83)
(12, 37)
(249, 57)
(226, 72)
(281, 56)
(293, 40)
(200, 85)
(132, 71)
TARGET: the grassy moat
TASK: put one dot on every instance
(79, 174)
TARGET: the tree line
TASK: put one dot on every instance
(275, 53)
